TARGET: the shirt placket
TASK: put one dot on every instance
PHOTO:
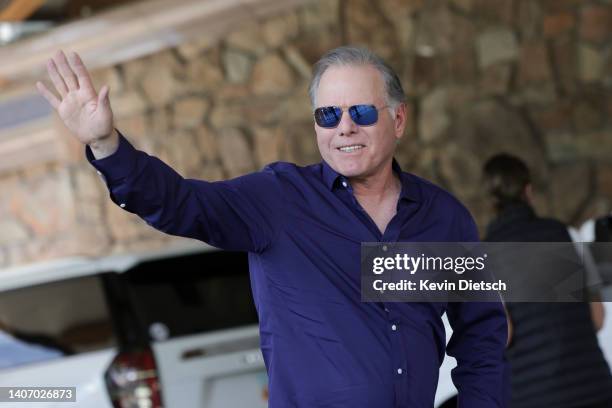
(398, 353)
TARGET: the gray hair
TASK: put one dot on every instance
(349, 55)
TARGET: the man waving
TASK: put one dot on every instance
(303, 227)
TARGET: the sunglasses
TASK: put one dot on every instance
(363, 115)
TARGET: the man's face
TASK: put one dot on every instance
(346, 86)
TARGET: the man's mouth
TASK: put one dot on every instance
(350, 148)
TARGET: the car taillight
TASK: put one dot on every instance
(132, 380)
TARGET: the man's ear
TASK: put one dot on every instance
(400, 119)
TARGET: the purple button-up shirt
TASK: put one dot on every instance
(303, 227)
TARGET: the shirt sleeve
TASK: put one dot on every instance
(241, 214)
(478, 344)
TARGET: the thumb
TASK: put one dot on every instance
(103, 96)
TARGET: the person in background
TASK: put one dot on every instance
(553, 352)
(597, 234)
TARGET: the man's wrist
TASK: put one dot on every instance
(106, 146)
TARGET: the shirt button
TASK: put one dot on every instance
(122, 205)
(393, 327)
(399, 371)
(344, 184)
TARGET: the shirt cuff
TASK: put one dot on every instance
(119, 165)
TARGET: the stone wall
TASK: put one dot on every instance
(531, 77)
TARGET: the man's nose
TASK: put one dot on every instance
(346, 127)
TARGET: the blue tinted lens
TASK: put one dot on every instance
(364, 115)
(328, 116)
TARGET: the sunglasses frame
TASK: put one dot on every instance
(350, 109)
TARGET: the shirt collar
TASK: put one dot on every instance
(410, 190)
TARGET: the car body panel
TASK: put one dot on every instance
(216, 370)
(84, 371)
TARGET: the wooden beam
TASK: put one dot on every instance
(18, 10)
(133, 31)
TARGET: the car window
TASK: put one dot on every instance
(191, 294)
(64, 317)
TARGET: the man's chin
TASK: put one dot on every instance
(349, 167)
(350, 170)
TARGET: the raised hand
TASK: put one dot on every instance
(85, 113)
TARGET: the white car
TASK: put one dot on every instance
(177, 328)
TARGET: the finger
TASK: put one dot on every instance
(81, 71)
(69, 78)
(58, 82)
(52, 99)
(102, 96)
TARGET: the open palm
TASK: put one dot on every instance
(85, 113)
